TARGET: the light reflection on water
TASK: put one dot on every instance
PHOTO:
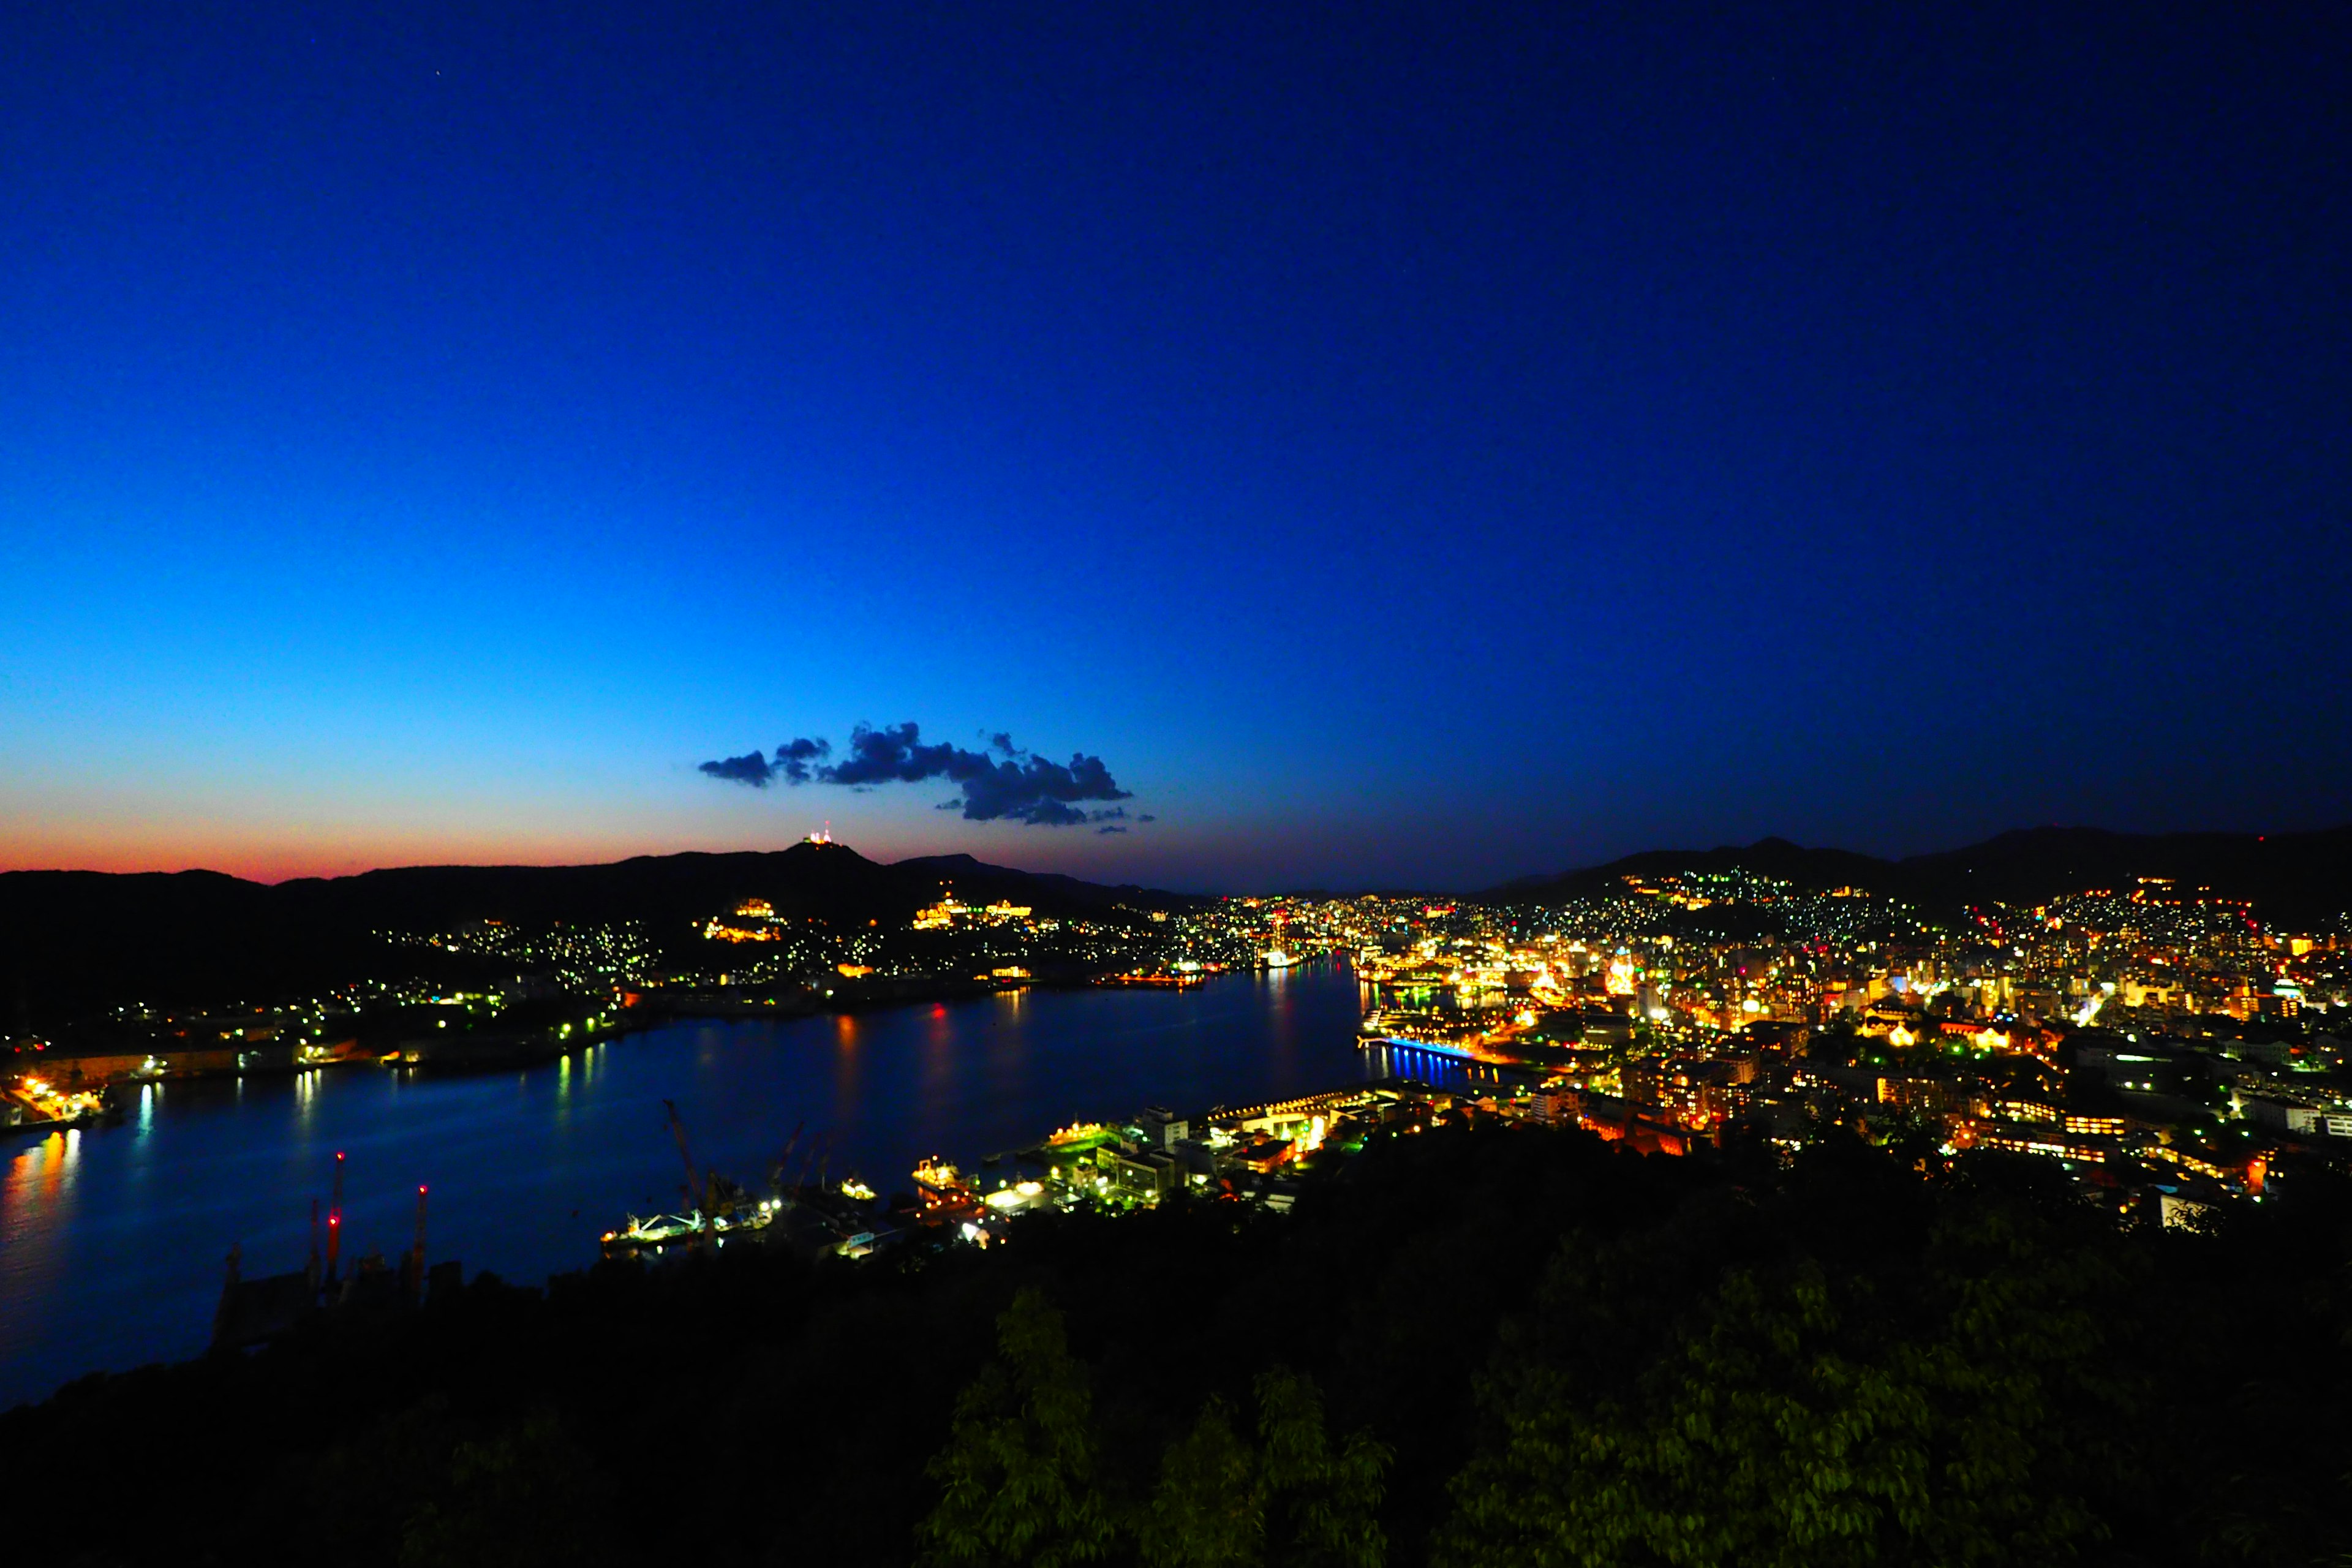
(1439, 1067)
(111, 1239)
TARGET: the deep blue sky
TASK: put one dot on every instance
(1424, 447)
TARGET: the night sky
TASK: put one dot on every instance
(1383, 448)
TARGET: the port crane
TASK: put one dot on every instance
(784, 1160)
(818, 1154)
(693, 1205)
(711, 1198)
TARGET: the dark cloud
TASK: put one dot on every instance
(1111, 830)
(1147, 816)
(1014, 785)
(793, 757)
(752, 769)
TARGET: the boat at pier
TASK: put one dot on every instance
(653, 1236)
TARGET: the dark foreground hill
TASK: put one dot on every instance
(72, 940)
(1566, 1352)
(2293, 878)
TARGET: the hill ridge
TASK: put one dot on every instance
(71, 939)
(2289, 876)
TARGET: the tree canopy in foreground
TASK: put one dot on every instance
(1493, 1345)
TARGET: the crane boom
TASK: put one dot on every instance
(800, 1177)
(784, 1160)
(678, 1132)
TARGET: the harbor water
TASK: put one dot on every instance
(113, 1236)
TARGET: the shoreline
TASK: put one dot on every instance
(568, 1248)
(450, 1057)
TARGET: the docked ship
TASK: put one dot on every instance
(652, 1236)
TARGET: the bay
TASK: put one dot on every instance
(113, 1237)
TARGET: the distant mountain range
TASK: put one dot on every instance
(2293, 878)
(76, 940)
(71, 940)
